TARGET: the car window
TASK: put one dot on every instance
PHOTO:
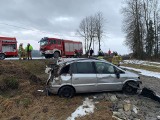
(65, 70)
(83, 67)
(73, 68)
(119, 71)
(104, 68)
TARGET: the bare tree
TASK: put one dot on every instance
(99, 27)
(91, 29)
(83, 31)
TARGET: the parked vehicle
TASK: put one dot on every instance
(8, 47)
(54, 47)
(89, 75)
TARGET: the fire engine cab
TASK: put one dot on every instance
(8, 47)
(55, 47)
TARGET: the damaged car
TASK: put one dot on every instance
(89, 75)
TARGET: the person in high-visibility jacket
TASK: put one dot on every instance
(29, 49)
(100, 54)
(116, 59)
(21, 52)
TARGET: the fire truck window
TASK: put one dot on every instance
(53, 41)
(43, 42)
(8, 48)
(14, 46)
(58, 42)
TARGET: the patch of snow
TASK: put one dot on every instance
(87, 107)
(40, 90)
(144, 72)
(142, 62)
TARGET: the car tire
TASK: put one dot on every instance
(66, 91)
(127, 89)
(56, 55)
(2, 56)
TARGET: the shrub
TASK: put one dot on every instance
(11, 83)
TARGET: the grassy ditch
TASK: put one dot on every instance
(19, 99)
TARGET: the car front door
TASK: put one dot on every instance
(84, 77)
(107, 80)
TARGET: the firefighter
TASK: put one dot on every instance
(21, 51)
(116, 59)
(109, 52)
(100, 54)
(29, 49)
(91, 52)
(81, 52)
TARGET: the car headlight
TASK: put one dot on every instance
(48, 70)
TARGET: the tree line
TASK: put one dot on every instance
(141, 25)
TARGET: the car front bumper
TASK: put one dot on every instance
(53, 90)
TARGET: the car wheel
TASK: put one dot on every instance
(66, 91)
(128, 89)
(56, 55)
(2, 56)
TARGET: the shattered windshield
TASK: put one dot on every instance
(43, 42)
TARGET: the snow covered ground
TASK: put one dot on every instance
(144, 72)
(141, 71)
(86, 108)
(141, 62)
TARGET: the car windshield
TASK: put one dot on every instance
(43, 42)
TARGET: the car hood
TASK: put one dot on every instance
(131, 74)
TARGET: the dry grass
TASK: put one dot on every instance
(25, 102)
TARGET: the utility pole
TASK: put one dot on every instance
(158, 37)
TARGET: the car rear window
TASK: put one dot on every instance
(83, 67)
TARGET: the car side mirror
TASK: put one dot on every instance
(70, 73)
(118, 75)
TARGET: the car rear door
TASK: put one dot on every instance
(106, 77)
(84, 77)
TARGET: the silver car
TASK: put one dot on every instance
(89, 75)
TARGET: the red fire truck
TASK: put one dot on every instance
(8, 47)
(54, 47)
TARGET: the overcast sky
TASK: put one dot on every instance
(60, 18)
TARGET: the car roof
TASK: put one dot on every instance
(84, 60)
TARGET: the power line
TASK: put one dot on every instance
(35, 30)
(16, 26)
